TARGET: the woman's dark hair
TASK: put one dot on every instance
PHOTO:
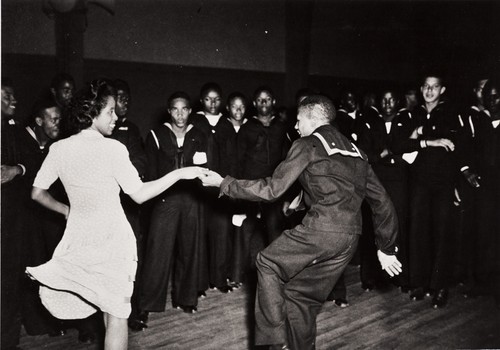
(88, 103)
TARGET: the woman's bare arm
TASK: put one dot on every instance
(44, 198)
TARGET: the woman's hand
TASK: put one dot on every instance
(192, 172)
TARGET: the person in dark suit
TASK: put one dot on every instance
(61, 90)
(218, 211)
(177, 220)
(42, 229)
(128, 134)
(485, 247)
(392, 171)
(262, 145)
(12, 171)
(435, 133)
(298, 269)
(226, 135)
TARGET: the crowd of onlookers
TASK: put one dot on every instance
(439, 164)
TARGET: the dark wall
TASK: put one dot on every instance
(164, 46)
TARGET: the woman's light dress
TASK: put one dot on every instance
(94, 265)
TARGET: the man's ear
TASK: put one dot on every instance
(443, 89)
(53, 91)
(274, 101)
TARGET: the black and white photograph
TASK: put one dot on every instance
(250, 174)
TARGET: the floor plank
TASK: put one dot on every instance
(372, 321)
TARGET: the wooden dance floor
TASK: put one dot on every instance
(374, 320)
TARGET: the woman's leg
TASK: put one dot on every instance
(116, 333)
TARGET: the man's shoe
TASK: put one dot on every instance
(278, 347)
(225, 289)
(417, 294)
(440, 298)
(59, 332)
(367, 286)
(189, 309)
(341, 302)
(139, 322)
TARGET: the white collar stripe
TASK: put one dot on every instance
(330, 151)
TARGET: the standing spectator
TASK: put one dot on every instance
(42, 228)
(226, 134)
(217, 210)
(392, 171)
(349, 118)
(486, 245)
(129, 135)
(262, 145)
(467, 190)
(433, 132)
(177, 219)
(410, 101)
(11, 172)
(62, 89)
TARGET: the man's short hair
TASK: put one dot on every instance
(433, 73)
(60, 78)
(40, 106)
(210, 86)
(263, 88)
(121, 85)
(322, 105)
(179, 94)
(234, 95)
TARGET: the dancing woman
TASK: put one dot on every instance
(94, 265)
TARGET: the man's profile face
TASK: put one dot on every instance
(50, 122)
(122, 101)
(305, 124)
(8, 101)
(63, 93)
(432, 89)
